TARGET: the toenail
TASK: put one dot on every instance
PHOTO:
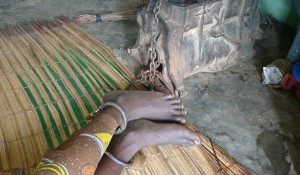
(182, 107)
(185, 112)
(181, 120)
(170, 96)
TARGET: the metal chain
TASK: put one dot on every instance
(153, 52)
(148, 77)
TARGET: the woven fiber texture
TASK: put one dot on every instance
(52, 76)
(206, 159)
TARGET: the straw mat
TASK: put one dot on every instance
(53, 75)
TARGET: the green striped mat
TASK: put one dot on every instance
(53, 74)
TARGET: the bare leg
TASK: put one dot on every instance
(83, 151)
(148, 104)
(140, 134)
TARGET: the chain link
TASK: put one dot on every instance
(148, 77)
(153, 57)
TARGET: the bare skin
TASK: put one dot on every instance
(143, 133)
(149, 105)
(79, 150)
(144, 105)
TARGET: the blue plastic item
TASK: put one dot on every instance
(296, 71)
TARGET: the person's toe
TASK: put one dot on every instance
(178, 112)
(175, 101)
(179, 106)
(197, 141)
(180, 119)
(169, 96)
(188, 144)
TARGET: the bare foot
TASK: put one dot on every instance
(148, 104)
(143, 133)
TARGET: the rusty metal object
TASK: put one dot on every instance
(197, 36)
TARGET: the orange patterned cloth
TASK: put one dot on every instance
(82, 152)
(12, 172)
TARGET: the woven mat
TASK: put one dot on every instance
(53, 74)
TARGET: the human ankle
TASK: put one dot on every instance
(127, 148)
(114, 113)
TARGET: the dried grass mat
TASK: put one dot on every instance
(53, 75)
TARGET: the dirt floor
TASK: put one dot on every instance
(259, 126)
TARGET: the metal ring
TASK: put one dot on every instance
(123, 126)
(118, 161)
